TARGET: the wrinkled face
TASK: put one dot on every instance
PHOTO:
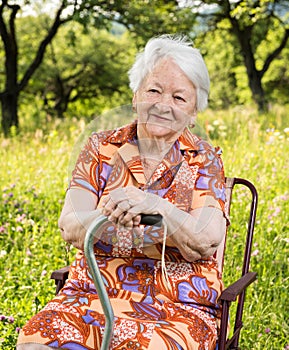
(165, 102)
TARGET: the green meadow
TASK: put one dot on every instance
(34, 172)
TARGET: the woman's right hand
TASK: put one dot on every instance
(124, 206)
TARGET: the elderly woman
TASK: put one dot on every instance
(163, 282)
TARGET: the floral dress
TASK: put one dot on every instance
(151, 312)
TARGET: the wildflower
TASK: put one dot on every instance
(270, 130)
(20, 218)
(286, 130)
(2, 317)
(11, 319)
(17, 329)
(19, 229)
(28, 252)
(2, 253)
(43, 273)
(271, 139)
(31, 222)
(276, 212)
(210, 128)
(267, 330)
(255, 252)
(2, 229)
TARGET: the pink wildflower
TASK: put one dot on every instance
(11, 319)
(256, 252)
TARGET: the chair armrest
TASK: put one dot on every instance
(235, 289)
(61, 274)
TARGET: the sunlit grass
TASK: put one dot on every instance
(34, 175)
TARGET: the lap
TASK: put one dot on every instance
(137, 325)
(148, 315)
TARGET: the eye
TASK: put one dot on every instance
(154, 91)
(179, 98)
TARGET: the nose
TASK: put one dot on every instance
(164, 103)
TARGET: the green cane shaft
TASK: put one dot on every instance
(98, 281)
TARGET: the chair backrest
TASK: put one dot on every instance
(220, 253)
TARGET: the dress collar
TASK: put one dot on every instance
(128, 134)
(125, 138)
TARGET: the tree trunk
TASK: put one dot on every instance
(254, 76)
(244, 37)
(257, 91)
(9, 96)
(9, 103)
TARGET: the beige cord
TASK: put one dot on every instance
(163, 263)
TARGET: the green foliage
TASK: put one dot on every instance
(251, 24)
(85, 71)
(34, 179)
(218, 49)
(229, 79)
(149, 18)
(142, 18)
(32, 194)
(81, 79)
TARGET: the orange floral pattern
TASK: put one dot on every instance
(150, 312)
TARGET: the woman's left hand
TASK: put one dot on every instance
(124, 205)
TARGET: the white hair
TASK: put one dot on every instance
(180, 49)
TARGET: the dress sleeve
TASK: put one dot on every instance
(88, 167)
(210, 185)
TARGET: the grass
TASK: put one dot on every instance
(34, 175)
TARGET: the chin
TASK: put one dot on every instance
(159, 131)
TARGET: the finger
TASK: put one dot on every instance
(124, 206)
(128, 218)
(108, 208)
(111, 205)
(136, 220)
(140, 208)
(118, 213)
(189, 253)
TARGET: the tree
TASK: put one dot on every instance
(89, 73)
(12, 87)
(159, 16)
(250, 22)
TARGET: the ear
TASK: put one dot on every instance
(193, 118)
(134, 102)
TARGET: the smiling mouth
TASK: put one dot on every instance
(159, 117)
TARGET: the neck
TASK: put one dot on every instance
(154, 147)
